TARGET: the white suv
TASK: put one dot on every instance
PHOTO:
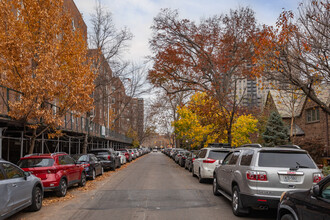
(206, 161)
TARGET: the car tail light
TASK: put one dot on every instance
(317, 177)
(109, 157)
(208, 161)
(256, 175)
(183, 157)
(193, 159)
(86, 165)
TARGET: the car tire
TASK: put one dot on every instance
(216, 187)
(114, 167)
(200, 179)
(36, 199)
(237, 203)
(63, 188)
(119, 165)
(287, 217)
(82, 179)
(192, 171)
(93, 174)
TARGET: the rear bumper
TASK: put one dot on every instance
(108, 164)
(259, 201)
(207, 173)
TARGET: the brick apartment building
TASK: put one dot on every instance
(113, 108)
(13, 140)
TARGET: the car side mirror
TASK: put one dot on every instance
(316, 190)
(26, 175)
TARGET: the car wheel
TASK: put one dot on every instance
(200, 179)
(192, 171)
(236, 202)
(36, 199)
(215, 187)
(63, 187)
(119, 165)
(93, 174)
(287, 217)
(114, 167)
(82, 179)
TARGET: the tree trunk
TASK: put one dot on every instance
(33, 141)
(85, 144)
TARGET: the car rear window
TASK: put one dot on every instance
(217, 155)
(81, 158)
(36, 162)
(100, 152)
(285, 159)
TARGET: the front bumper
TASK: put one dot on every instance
(256, 201)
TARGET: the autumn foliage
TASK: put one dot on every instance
(209, 56)
(43, 56)
(201, 122)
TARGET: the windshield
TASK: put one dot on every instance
(36, 162)
(285, 159)
(217, 155)
(80, 158)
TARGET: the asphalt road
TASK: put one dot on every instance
(154, 187)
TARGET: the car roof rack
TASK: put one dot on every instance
(289, 146)
(55, 153)
(219, 145)
(252, 145)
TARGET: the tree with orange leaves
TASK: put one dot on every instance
(210, 56)
(44, 57)
(296, 51)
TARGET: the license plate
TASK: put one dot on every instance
(290, 179)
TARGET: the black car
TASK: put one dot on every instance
(108, 158)
(182, 159)
(190, 159)
(91, 164)
(306, 204)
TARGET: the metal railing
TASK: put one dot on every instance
(70, 121)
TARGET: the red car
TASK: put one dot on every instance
(127, 154)
(57, 171)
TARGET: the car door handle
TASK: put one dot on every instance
(14, 185)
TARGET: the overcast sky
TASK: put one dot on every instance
(138, 15)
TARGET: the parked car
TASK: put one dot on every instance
(57, 171)
(182, 159)
(306, 204)
(255, 177)
(122, 157)
(19, 190)
(190, 159)
(206, 161)
(179, 155)
(107, 157)
(137, 153)
(91, 164)
(131, 151)
(155, 150)
(127, 154)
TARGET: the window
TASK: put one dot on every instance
(247, 157)
(313, 115)
(113, 100)
(217, 155)
(11, 171)
(202, 154)
(2, 176)
(234, 158)
(68, 159)
(36, 162)
(227, 159)
(326, 191)
(285, 159)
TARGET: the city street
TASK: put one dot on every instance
(154, 187)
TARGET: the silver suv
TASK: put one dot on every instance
(206, 161)
(252, 176)
(19, 190)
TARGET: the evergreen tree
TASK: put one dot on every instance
(276, 132)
